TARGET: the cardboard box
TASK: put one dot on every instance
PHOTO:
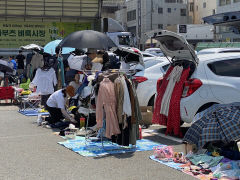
(147, 114)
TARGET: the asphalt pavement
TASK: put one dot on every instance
(31, 152)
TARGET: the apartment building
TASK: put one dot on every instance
(198, 9)
(228, 6)
(229, 32)
(143, 16)
(109, 7)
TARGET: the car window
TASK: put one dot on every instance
(226, 68)
(165, 67)
(230, 51)
(206, 52)
(146, 55)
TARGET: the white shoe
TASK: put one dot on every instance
(94, 128)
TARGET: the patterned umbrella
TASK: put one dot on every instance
(32, 47)
(217, 123)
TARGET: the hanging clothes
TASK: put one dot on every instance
(37, 61)
(119, 93)
(126, 100)
(132, 100)
(106, 101)
(45, 80)
(173, 78)
(161, 87)
(174, 117)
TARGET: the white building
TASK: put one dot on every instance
(228, 6)
(145, 15)
(226, 20)
(225, 33)
(201, 8)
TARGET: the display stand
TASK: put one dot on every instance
(87, 138)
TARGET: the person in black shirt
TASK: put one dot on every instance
(20, 60)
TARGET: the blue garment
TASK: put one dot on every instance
(83, 85)
(14, 64)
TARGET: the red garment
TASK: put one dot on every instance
(173, 120)
(157, 117)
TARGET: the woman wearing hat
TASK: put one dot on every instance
(56, 105)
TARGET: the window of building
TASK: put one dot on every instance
(183, 12)
(160, 10)
(197, 8)
(191, 7)
(179, 1)
(182, 28)
(225, 2)
(204, 5)
(235, 1)
(169, 10)
(222, 2)
(226, 67)
(131, 15)
(170, 1)
(160, 26)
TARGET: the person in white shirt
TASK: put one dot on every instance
(56, 105)
(75, 84)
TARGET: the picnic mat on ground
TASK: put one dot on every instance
(179, 167)
(94, 148)
(32, 112)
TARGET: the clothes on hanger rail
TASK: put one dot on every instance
(107, 101)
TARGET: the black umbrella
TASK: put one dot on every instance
(87, 39)
(4, 67)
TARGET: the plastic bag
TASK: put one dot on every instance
(230, 170)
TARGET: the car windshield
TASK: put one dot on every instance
(124, 40)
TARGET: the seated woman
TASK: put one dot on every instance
(75, 84)
(56, 105)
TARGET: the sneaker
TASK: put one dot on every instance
(94, 128)
(47, 126)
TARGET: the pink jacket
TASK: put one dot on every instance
(106, 101)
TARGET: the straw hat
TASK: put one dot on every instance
(70, 91)
(98, 59)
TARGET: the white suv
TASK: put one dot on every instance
(215, 80)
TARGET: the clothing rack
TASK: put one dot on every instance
(127, 72)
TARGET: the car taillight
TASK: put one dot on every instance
(139, 79)
(191, 86)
